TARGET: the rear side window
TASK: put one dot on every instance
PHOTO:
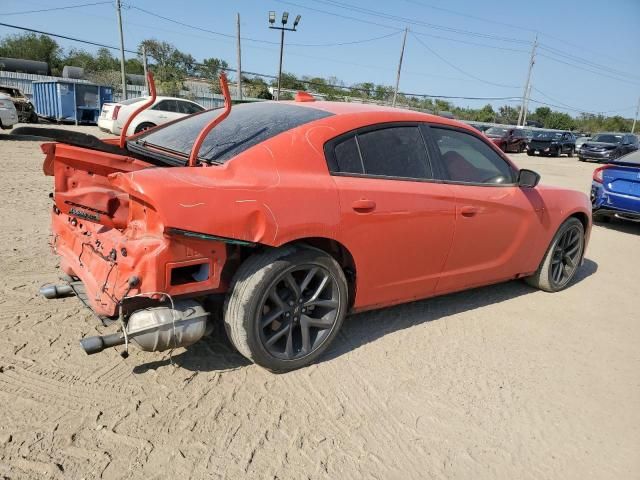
(167, 106)
(348, 156)
(397, 152)
(466, 158)
(246, 126)
(189, 108)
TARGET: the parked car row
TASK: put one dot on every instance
(608, 146)
(165, 109)
(8, 113)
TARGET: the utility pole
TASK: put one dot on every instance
(635, 119)
(283, 28)
(525, 93)
(526, 106)
(395, 92)
(239, 96)
(144, 67)
(124, 80)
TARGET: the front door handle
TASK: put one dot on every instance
(469, 211)
(363, 205)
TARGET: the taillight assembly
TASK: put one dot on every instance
(597, 174)
(116, 109)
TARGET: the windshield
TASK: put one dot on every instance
(547, 135)
(247, 125)
(607, 138)
(497, 131)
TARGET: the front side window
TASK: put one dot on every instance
(397, 152)
(466, 158)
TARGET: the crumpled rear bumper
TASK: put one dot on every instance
(109, 261)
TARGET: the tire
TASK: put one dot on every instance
(144, 126)
(544, 279)
(570, 154)
(558, 152)
(265, 319)
(581, 159)
(530, 153)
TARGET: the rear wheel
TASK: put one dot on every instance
(562, 259)
(285, 307)
(144, 126)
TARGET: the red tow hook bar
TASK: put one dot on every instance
(147, 104)
(224, 85)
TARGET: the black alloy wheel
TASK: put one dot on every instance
(566, 256)
(298, 312)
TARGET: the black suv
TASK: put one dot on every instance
(24, 108)
(606, 146)
(551, 142)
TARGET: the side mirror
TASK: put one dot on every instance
(528, 178)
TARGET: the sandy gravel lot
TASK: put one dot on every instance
(498, 382)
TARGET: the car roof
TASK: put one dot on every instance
(400, 114)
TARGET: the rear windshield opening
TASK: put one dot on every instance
(247, 125)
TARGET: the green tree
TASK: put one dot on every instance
(32, 47)
(559, 121)
(210, 69)
(171, 66)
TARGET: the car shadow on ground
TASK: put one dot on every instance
(215, 352)
(623, 226)
(360, 329)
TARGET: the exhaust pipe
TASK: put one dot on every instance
(156, 329)
(56, 291)
(97, 344)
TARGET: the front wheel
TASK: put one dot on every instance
(562, 259)
(570, 154)
(285, 307)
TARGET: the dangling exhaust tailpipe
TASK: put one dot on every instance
(156, 329)
(56, 291)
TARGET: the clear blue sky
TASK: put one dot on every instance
(461, 31)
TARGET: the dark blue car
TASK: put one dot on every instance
(615, 190)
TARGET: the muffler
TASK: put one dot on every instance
(156, 329)
(56, 291)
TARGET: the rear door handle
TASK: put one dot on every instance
(469, 211)
(363, 205)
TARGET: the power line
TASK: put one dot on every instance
(227, 35)
(458, 68)
(588, 70)
(589, 63)
(66, 37)
(569, 107)
(411, 21)
(467, 42)
(56, 8)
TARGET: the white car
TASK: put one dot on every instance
(8, 114)
(165, 109)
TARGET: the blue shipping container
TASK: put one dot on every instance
(70, 101)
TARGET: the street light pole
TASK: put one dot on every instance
(280, 66)
(283, 28)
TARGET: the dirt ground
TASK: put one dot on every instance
(499, 382)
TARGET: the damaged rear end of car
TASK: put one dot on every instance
(117, 251)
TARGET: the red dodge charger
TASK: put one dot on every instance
(287, 216)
